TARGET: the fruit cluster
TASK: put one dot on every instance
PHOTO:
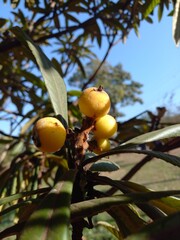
(95, 103)
(49, 134)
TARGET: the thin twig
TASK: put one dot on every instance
(91, 79)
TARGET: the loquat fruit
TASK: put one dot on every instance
(105, 126)
(49, 134)
(94, 102)
(103, 145)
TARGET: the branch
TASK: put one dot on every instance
(91, 79)
(13, 43)
(6, 46)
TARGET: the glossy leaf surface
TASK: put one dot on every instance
(51, 220)
(54, 82)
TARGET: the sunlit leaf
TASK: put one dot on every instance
(176, 23)
(127, 219)
(54, 83)
(17, 196)
(95, 206)
(167, 132)
(51, 220)
(168, 204)
(15, 3)
(149, 6)
(112, 229)
(28, 124)
(74, 93)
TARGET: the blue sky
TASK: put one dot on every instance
(153, 60)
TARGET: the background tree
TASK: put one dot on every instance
(117, 82)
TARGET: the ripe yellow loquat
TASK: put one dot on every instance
(94, 102)
(49, 134)
(103, 145)
(105, 127)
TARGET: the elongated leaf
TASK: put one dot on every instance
(127, 219)
(167, 132)
(160, 11)
(104, 166)
(166, 228)
(51, 220)
(168, 204)
(54, 83)
(112, 229)
(15, 3)
(21, 195)
(175, 160)
(149, 7)
(95, 206)
(73, 93)
(28, 124)
(3, 22)
(176, 23)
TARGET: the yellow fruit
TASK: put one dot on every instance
(94, 102)
(49, 134)
(105, 127)
(103, 145)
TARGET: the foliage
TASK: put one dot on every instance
(110, 77)
(55, 196)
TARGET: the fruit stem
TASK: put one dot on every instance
(100, 88)
(81, 143)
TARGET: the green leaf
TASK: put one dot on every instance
(17, 196)
(51, 220)
(176, 23)
(54, 83)
(104, 166)
(77, 59)
(15, 3)
(168, 204)
(165, 228)
(28, 124)
(149, 6)
(175, 160)
(3, 21)
(57, 66)
(95, 206)
(167, 132)
(127, 219)
(160, 11)
(74, 93)
(112, 229)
